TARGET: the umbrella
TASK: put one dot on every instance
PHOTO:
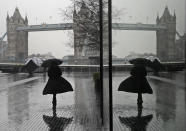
(157, 66)
(57, 123)
(49, 62)
(138, 123)
(30, 66)
(37, 60)
(141, 61)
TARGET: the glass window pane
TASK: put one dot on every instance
(148, 65)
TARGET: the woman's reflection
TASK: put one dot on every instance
(18, 107)
(57, 123)
(136, 123)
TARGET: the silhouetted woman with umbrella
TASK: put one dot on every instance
(56, 84)
(137, 82)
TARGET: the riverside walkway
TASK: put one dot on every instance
(24, 108)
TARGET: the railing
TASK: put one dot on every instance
(17, 67)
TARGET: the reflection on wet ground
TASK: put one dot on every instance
(23, 107)
(167, 104)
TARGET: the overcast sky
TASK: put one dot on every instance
(134, 11)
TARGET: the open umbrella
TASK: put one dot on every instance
(157, 66)
(49, 62)
(138, 123)
(30, 66)
(154, 64)
(141, 61)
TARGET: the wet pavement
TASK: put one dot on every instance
(167, 105)
(23, 107)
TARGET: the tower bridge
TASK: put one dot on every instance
(18, 28)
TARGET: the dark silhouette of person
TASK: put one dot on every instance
(56, 84)
(136, 123)
(137, 83)
(139, 73)
(54, 72)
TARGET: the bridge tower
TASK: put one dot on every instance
(79, 19)
(166, 38)
(86, 43)
(17, 50)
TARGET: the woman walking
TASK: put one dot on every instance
(56, 84)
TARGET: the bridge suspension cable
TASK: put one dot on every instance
(1, 40)
(178, 34)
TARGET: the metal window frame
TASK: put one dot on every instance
(110, 55)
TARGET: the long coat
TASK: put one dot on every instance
(56, 84)
(137, 82)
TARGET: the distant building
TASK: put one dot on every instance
(84, 46)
